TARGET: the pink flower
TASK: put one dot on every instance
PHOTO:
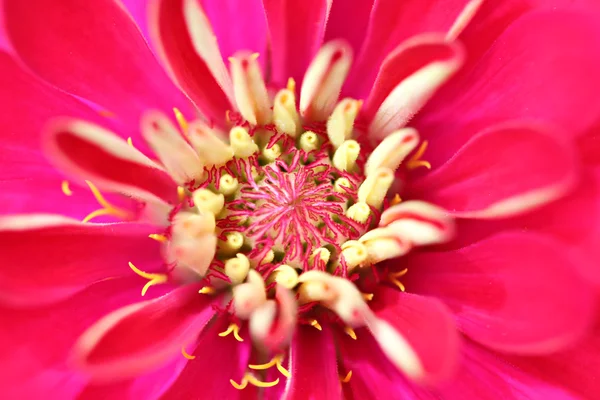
(374, 199)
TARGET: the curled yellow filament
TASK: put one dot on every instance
(107, 208)
(275, 361)
(66, 189)
(415, 161)
(158, 237)
(394, 278)
(346, 379)
(249, 378)
(350, 332)
(316, 324)
(186, 355)
(183, 124)
(236, 332)
(153, 279)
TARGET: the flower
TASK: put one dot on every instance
(359, 235)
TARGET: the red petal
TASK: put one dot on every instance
(48, 258)
(296, 32)
(313, 366)
(89, 152)
(93, 50)
(513, 292)
(373, 376)
(404, 61)
(141, 336)
(502, 171)
(540, 68)
(426, 324)
(348, 20)
(391, 22)
(217, 360)
(27, 181)
(171, 33)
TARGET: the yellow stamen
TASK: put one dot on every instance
(350, 332)
(107, 208)
(180, 193)
(129, 141)
(183, 124)
(415, 161)
(206, 290)
(186, 355)
(394, 278)
(291, 85)
(249, 378)
(236, 332)
(316, 324)
(154, 279)
(65, 188)
(396, 200)
(346, 378)
(158, 237)
(276, 361)
(368, 296)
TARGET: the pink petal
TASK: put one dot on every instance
(93, 50)
(410, 61)
(514, 292)
(485, 376)
(48, 257)
(426, 325)
(177, 32)
(141, 336)
(27, 181)
(313, 366)
(373, 376)
(540, 68)
(238, 25)
(392, 22)
(35, 348)
(348, 20)
(502, 171)
(217, 360)
(151, 385)
(89, 152)
(575, 369)
(296, 31)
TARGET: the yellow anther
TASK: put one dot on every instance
(341, 121)
(153, 279)
(323, 253)
(272, 153)
(394, 278)
(346, 155)
(415, 161)
(129, 141)
(65, 188)
(346, 379)
(309, 141)
(368, 296)
(359, 212)
(237, 268)
(316, 324)
(396, 200)
(350, 332)
(232, 243)
(158, 237)
(183, 124)
(285, 114)
(249, 378)
(275, 362)
(228, 184)
(340, 184)
(206, 290)
(236, 332)
(241, 142)
(285, 275)
(206, 200)
(186, 355)
(180, 193)
(107, 208)
(291, 85)
(374, 189)
(354, 253)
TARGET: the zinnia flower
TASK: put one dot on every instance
(353, 199)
